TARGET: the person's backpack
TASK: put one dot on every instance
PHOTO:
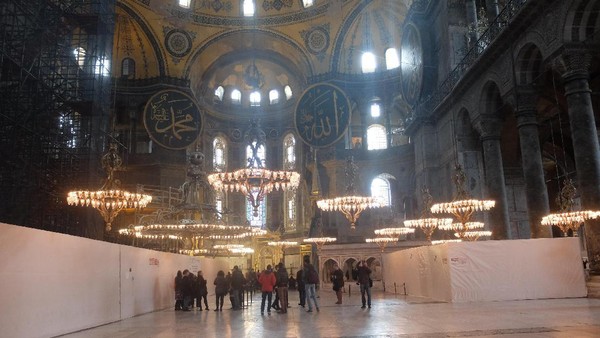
(313, 278)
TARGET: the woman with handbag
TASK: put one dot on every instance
(337, 277)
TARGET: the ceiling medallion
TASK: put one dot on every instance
(178, 42)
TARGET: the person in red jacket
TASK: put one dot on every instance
(267, 282)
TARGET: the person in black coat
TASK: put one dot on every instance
(202, 291)
(237, 284)
(221, 288)
(301, 287)
(188, 290)
(179, 291)
(337, 278)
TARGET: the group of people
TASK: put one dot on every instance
(191, 290)
(361, 274)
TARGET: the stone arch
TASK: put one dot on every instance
(376, 267)
(490, 102)
(582, 21)
(529, 65)
(327, 269)
(347, 266)
(465, 133)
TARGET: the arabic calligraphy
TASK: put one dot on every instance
(322, 115)
(172, 119)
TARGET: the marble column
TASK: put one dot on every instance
(494, 176)
(536, 191)
(585, 144)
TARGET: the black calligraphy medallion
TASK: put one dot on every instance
(172, 119)
(322, 115)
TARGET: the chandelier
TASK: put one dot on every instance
(568, 219)
(254, 181)
(319, 242)
(427, 223)
(110, 200)
(462, 208)
(350, 205)
(472, 235)
(388, 232)
(382, 242)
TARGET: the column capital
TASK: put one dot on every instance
(526, 109)
(489, 127)
(574, 63)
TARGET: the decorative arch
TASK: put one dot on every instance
(583, 21)
(490, 102)
(149, 34)
(376, 267)
(327, 269)
(528, 65)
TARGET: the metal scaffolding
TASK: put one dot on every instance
(55, 102)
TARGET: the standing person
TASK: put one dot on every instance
(179, 291)
(311, 279)
(203, 291)
(301, 287)
(237, 283)
(282, 287)
(364, 279)
(337, 277)
(221, 288)
(267, 282)
(188, 290)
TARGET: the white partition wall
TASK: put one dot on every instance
(54, 284)
(489, 270)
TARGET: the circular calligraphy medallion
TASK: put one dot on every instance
(317, 41)
(172, 119)
(178, 42)
(412, 64)
(322, 115)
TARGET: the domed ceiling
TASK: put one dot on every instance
(212, 43)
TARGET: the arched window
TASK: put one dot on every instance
(128, 67)
(375, 109)
(185, 3)
(273, 96)
(290, 205)
(248, 7)
(259, 219)
(219, 154)
(79, 53)
(236, 96)
(255, 99)
(288, 92)
(219, 92)
(219, 202)
(368, 62)
(376, 137)
(391, 58)
(381, 187)
(289, 152)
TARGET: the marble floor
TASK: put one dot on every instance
(390, 316)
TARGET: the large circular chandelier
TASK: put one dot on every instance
(350, 205)
(254, 181)
(381, 242)
(568, 219)
(319, 242)
(427, 223)
(463, 208)
(388, 232)
(110, 200)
